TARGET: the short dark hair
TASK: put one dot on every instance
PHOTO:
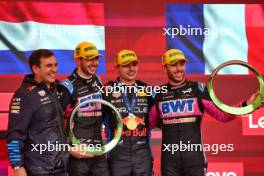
(34, 58)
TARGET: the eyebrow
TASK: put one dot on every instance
(50, 64)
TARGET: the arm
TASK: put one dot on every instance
(66, 101)
(219, 115)
(20, 114)
(65, 90)
(109, 119)
(154, 117)
(211, 108)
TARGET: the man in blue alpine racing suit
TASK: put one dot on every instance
(83, 84)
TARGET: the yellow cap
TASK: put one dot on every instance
(86, 50)
(172, 56)
(125, 56)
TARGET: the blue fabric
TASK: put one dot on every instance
(14, 152)
(187, 16)
(17, 62)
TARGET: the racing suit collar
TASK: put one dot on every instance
(170, 86)
(77, 76)
(29, 79)
(123, 84)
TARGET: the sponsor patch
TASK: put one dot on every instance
(116, 95)
(90, 106)
(42, 93)
(31, 88)
(141, 94)
(15, 107)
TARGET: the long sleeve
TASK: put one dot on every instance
(216, 113)
(211, 108)
(20, 115)
(154, 117)
(66, 101)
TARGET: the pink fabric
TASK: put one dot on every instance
(216, 113)
(154, 117)
(209, 107)
(68, 111)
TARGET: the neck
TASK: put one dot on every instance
(83, 75)
(127, 82)
(176, 84)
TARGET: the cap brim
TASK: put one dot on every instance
(129, 61)
(177, 60)
(94, 56)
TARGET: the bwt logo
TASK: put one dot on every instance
(225, 169)
(221, 174)
(177, 106)
(253, 124)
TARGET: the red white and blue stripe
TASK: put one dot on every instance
(216, 33)
(27, 26)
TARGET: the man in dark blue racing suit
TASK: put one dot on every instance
(132, 155)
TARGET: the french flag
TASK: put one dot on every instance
(211, 34)
(57, 26)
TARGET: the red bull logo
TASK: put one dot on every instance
(135, 133)
(133, 121)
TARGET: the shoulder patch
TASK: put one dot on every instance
(98, 79)
(67, 83)
(31, 88)
(153, 95)
(201, 87)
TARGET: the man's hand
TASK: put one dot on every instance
(253, 98)
(76, 152)
(20, 172)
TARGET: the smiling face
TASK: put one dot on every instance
(46, 71)
(176, 71)
(87, 67)
(128, 72)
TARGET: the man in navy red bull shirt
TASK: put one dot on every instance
(132, 155)
(36, 121)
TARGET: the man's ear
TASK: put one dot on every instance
(116, 68)
(78, 62)
(164, 68)
(35, 69)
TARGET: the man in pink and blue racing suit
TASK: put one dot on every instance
(179, 113)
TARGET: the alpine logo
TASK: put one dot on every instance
(187, 91)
